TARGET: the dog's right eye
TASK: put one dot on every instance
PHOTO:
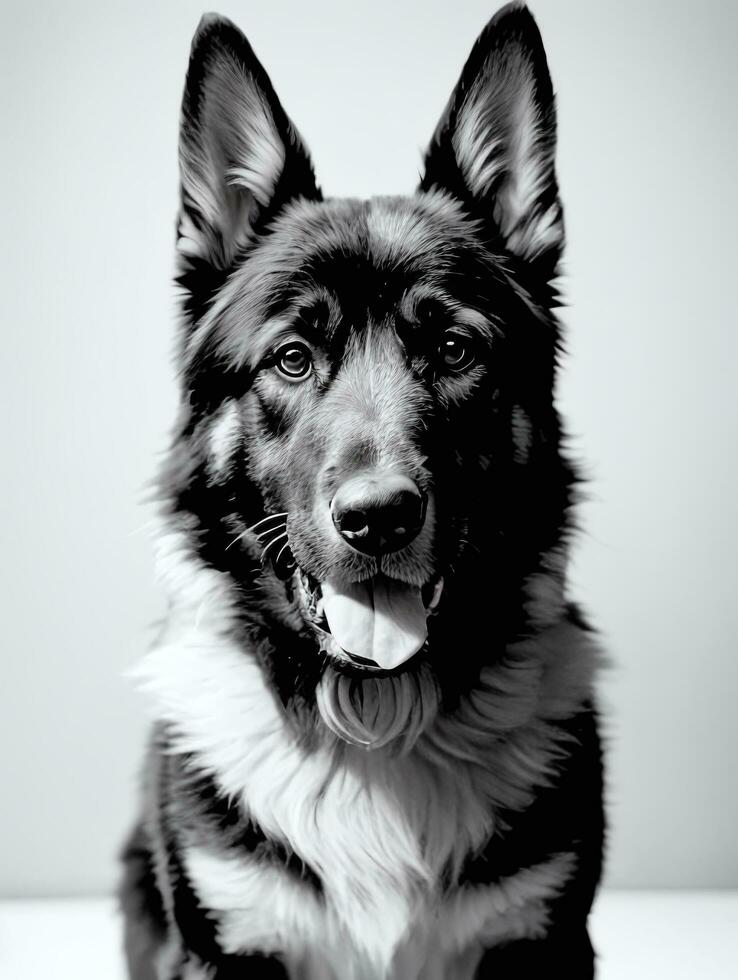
(456, 352)
(294, 361)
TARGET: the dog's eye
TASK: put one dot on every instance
(456, 352)
(294, 361)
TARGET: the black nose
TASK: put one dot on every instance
(378, 513)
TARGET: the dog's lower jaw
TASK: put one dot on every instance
(311, 600)
(365, 706)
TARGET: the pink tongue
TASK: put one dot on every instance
(380, 620)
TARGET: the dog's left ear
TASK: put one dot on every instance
(494, 146)
(241, 158)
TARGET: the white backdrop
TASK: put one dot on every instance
(648, 164)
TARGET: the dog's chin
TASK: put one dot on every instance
(366, 703)
(374, 711)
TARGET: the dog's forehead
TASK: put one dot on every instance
(406, 233)
(367, 256)
(361, 247)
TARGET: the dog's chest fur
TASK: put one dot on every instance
(386, 835)
(404, 931)
(320, 939)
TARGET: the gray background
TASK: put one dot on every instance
(90, 96)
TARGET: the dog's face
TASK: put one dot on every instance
(369, 385)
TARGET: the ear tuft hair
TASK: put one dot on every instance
(494, 146)
(241, 159)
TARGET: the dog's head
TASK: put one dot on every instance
(369, 444)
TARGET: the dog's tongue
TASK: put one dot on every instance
(380, 620)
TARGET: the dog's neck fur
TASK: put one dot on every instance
(385, 830)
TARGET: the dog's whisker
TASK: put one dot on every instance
(268, 528)
(265, 552)
(278, 528)
(466, 545)
(266, 542)
(284, 568)
(266, 520)
(285, 547)
(238, 537)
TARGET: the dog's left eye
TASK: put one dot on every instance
(294, 361)
(456, 352)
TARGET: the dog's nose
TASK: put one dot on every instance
(378, 513)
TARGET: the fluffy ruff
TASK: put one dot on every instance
(381, 828)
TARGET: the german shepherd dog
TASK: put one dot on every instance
(375, 753)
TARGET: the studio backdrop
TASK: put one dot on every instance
(647, 168)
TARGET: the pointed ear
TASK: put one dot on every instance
(494, 146)
(241, 159)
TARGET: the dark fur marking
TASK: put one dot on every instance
(209, 382)
(197, 929)
(212, 504)
(142, 907)
(565, 817)
(200, 282)
(564, 952)
(297, 669)
(232, 827)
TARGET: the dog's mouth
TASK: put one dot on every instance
(377, 624)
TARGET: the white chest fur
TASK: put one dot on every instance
(260, 908)
(377, 829)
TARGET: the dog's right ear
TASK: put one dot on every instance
(241, 159)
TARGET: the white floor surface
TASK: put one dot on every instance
(638, 935)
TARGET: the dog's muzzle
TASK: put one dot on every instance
(378, 622)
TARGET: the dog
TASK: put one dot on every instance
(375, 753)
